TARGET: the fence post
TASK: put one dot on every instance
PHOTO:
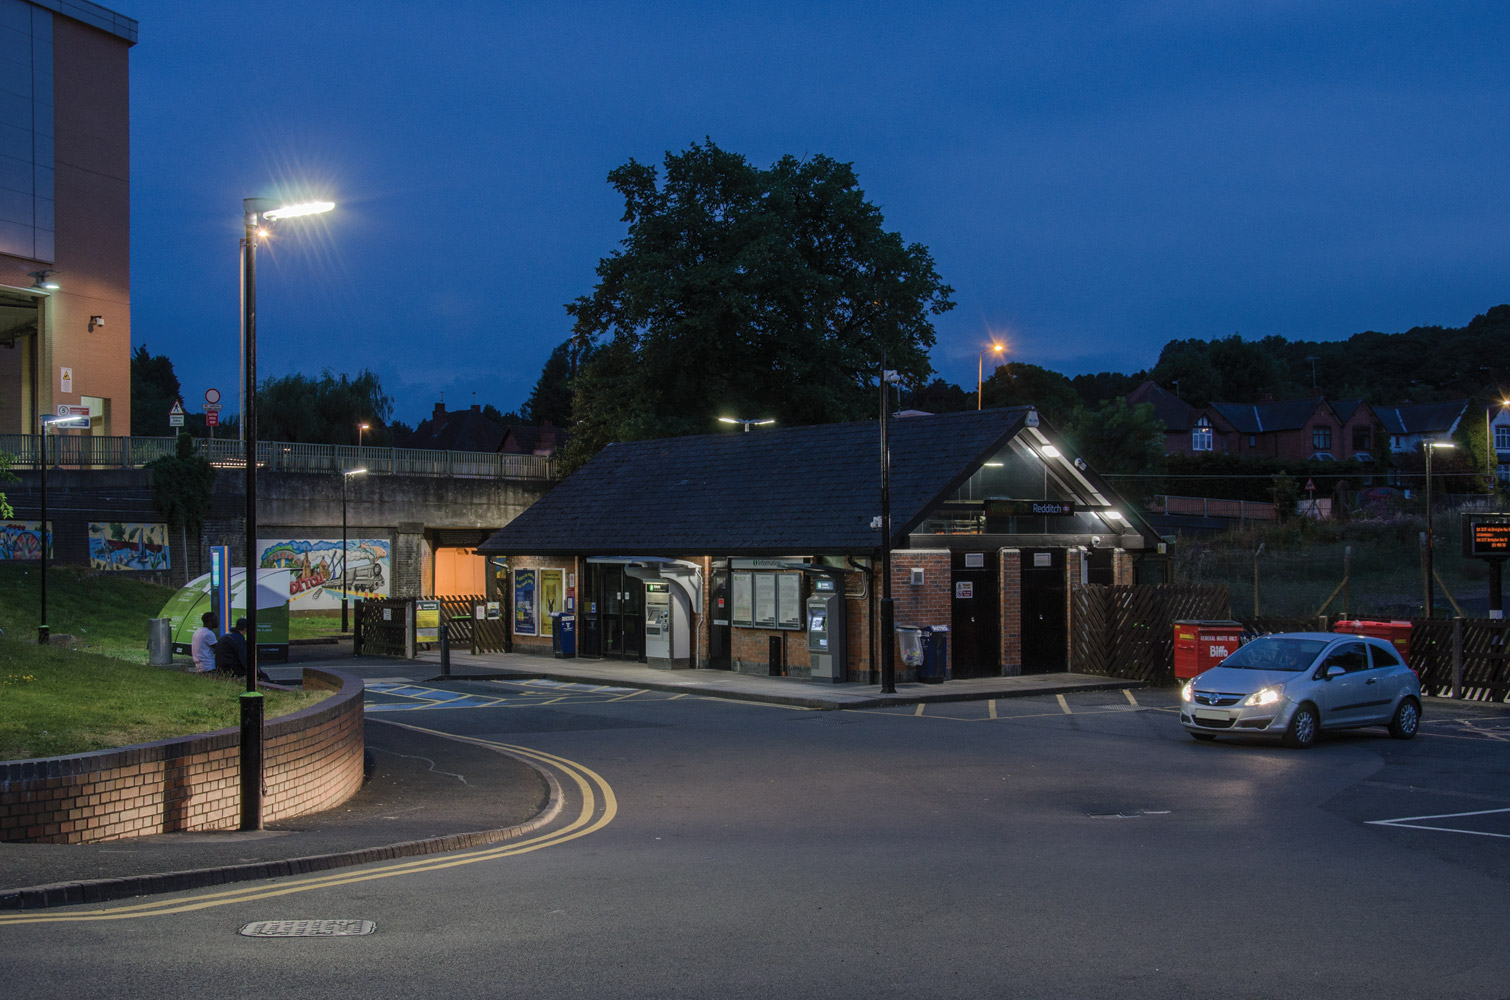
(445, 649)
(356, 630)
(409, 644)
(1256, 553)
(1347, 577)
(1457, 656)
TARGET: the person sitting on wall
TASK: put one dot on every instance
(202, 645)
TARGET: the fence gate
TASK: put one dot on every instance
(384, 626)
(1128, 631)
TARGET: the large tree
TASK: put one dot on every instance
(154, 390)
(325, 410)
(746, 292)
(182, 488)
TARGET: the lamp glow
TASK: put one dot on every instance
(295, 211)
(1049, 451)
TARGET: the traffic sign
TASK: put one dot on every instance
(1311, 484)
(66, 410)
(176, 414)
(212, 407)
(212, 395)
(212, 418)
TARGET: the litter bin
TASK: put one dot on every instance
(563, 635)
(910, 646)
(1397, 632)
(1201, 645)
(935, 669)
(159, 642)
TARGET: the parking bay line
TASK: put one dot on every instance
(1414, 823)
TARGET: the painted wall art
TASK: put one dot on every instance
(315, 568)
(116, 545)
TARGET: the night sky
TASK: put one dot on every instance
(1094, 179)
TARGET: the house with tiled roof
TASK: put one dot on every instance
(1287, 430)
(713, 550)
(456, 430)
(1410, 424)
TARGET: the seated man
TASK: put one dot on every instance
(230, 651)
(202, 645)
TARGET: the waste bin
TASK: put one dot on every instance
(910, 646)
(1201, 645)
(935, 669)
(1397, 632)
(159, 642)
(563, 635)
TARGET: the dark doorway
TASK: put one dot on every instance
(718, 621)
(975, 615)
(1098, 567)
(1045, 626)
(613, 616)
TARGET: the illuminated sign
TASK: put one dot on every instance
(1487, 536)
(1030, 508)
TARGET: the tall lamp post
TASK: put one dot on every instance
(43, 632)
(345, 476)
(1431, 446)
(888, 607)
(980, 370)
(363, 426)
(747, 423)
(256, 213)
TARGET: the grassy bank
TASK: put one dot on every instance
(91, 689)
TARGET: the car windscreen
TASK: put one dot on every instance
(1273, 653)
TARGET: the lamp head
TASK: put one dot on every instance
(43, 281)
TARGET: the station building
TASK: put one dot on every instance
(64, 214)
(718, 551)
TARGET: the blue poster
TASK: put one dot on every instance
(524, 601)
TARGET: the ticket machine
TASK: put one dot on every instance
(825, 631)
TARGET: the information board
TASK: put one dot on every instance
(1486, 536)
(426, 621)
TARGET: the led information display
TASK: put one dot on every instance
(1486, 536)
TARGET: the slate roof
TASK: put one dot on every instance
(787, 491)
(1421, 418)
(1262, 418)
(1173, 412)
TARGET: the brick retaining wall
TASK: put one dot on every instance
(313, 762)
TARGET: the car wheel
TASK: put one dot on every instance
(1303, 726)
(1204, 736)
(1406, 721)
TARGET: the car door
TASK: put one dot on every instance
(1346, 699)
(1394, 678)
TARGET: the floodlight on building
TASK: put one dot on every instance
(43, 281)
(746, 423)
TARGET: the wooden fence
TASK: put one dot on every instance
(382, 625)
(1462, 657)
(1128, 631)
(387, 634)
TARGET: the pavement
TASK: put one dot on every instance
(426, 793)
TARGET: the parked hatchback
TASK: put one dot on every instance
(1294, 684)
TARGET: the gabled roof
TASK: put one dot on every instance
(1173, 412)
(520, 439)
(458, 430)
(797, 490)
(1346, 408)
(1422, 418)
(1266, 418)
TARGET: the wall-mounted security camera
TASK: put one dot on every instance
(1095, 540)
(96, 321)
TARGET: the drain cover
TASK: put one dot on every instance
(308, 928)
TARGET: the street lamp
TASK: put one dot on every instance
(360, 428)
(1431, 446)
(344, 477)
(43, 632)
(747, 423)
(980, 370)
(255, 213)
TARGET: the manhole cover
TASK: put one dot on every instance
(308, 928)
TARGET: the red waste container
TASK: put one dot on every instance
(1397, 632)
(1201, 645)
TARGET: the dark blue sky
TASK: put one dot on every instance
(1093, 179)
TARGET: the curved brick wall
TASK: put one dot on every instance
(313, 761)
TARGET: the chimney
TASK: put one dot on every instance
(476, 408)
(440, 411)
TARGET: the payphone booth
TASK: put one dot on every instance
(825, 631)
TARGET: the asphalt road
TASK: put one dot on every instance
(1080, 846)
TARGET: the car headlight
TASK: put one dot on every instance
(1186, 691)
(1264, 696)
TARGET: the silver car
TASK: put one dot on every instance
(1294, 684)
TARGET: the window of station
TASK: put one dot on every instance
(999, 498)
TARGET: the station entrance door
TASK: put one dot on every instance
(612, 613)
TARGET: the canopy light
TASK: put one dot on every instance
(1049, 451)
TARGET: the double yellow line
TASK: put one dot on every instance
(598, 809)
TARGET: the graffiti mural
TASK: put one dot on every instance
(117, 546)
(22, 540)
(316, 578)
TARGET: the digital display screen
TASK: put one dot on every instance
(1488, 538)
(816, 624)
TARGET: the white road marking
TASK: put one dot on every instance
(1064, 704)
(1130, 699)
(1416, 823)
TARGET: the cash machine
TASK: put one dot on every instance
(826, 630)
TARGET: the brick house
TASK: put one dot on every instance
(1289, 430)
(703, 551)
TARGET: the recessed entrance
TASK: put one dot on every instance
(612, 611)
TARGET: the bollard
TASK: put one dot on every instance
(251, 760)
(445, 650)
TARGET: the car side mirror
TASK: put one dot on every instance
(1333, 670)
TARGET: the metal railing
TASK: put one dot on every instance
(82, 451)
(1248, 510)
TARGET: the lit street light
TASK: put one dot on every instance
(747, 423)
(980, 370)
(360, 428)
(1431, 446)
(344, 577)
(255, 212)
(43, 633)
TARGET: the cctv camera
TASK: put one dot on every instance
(1095, 540)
